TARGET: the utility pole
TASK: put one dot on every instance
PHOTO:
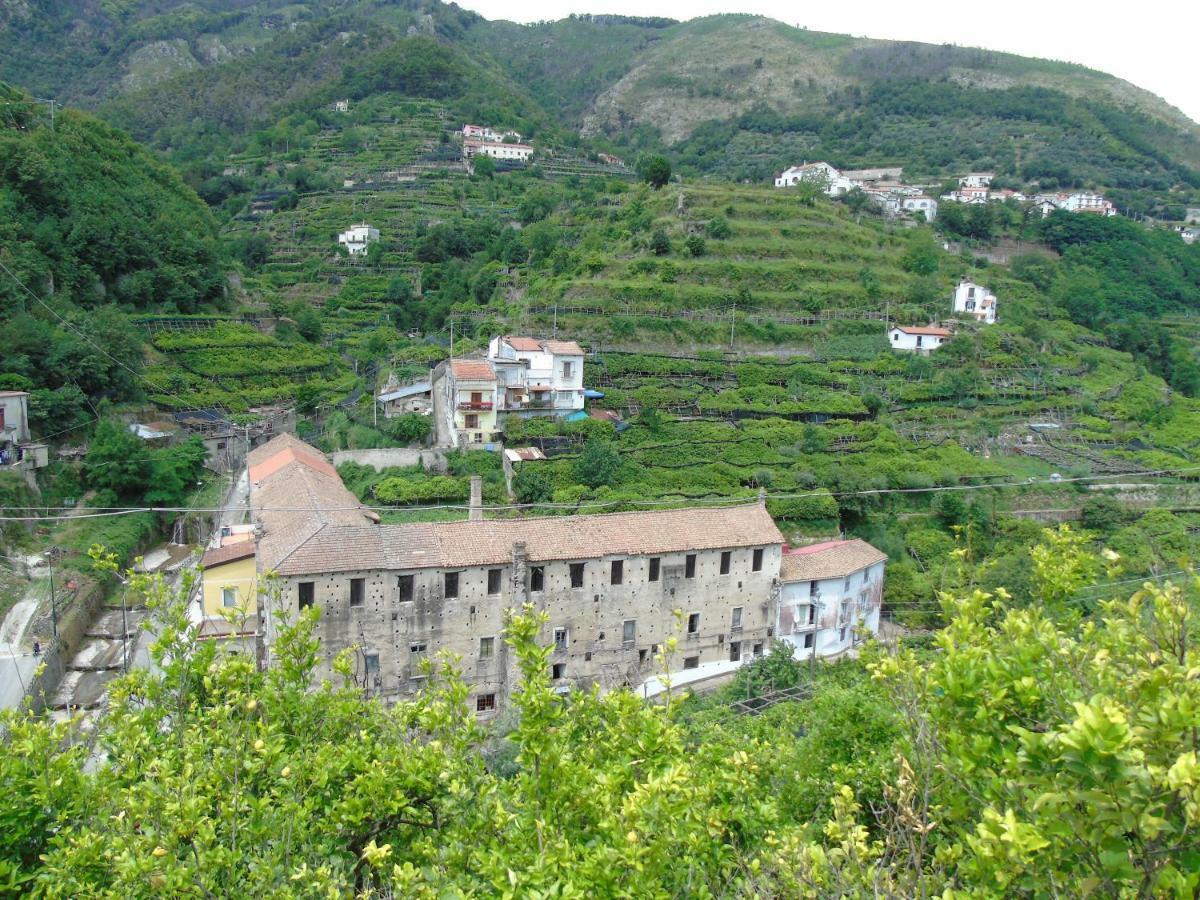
(50, 554)
(812, 659)
(732, 322)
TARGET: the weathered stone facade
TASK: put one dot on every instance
(604, 633)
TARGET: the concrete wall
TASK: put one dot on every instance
(593, 615)
(432, 460)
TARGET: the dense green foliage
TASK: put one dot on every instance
(908, 774)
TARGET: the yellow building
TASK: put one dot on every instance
(230, 573)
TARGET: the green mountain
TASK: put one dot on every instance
(734, 96)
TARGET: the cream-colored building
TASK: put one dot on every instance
(466, 397)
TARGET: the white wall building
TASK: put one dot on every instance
(1190, 234)
(912, 339)
(976, 180)
(1088, 202)
(920, 204)
(971, 299)
(835, 183)
(829, 593)
(496, 150)
(357, 238)
(538, 377)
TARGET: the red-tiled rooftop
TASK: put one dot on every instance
(472, 370)
(229, 553)
(925, 329)
(829, 559)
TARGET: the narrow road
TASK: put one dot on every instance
(17, 662)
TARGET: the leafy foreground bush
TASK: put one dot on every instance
(1038, 758)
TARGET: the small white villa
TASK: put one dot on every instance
(922, 339)
(835, 182)
(357, 238)
(971, 299)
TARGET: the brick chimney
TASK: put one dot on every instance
(475, 513)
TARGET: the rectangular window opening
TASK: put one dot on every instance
(737, 618)
(576, 575)
(485, 702)
(358, 590)
(735, 651)
(618, 572)
(756, 563)
(655, 568)
(487, 647)
(693, 623)
(451, 584)
(537, 579)
(229, 596)
(691, 662)
(689, 566)
(629, 632)
(493, 581)
(405, 585)
(307, 594)
(561, 638)
(558, 671)
(726, 560)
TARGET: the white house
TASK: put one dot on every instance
(487, 133)
(828, 594)
(976, 180)
(341, 106)
(918, 339)
(496, 150)
(920, 204)
(971, 299)
(835, 183)
(16, 448)
(538, 377)
(1190, 234)
(1088, 202)
(357, 237)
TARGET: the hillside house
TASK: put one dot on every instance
(466, 400)
(976, 180)
(399, 400)
(488, 134)
(833, 182)
(357, 238)
(1190, 234)
(920, 203)
(609, 160)
(1087, 202)
(341, 106)
(918, 339)
(538, 377)
(976, 301)
(497, 151)
(828, 594)
(17, 449)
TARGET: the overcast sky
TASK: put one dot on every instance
(1153, 43)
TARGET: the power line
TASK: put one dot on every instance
(582, 505)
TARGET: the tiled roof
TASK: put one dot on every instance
(229, 553)
(831, 559)
(547, 538)
(563, 348)
(925, 329)
(524, 344)
(472, 370)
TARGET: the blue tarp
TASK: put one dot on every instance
(589, 394)
(577, 415)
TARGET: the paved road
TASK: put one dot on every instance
(17, 662)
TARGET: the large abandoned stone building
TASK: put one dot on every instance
(615, 587)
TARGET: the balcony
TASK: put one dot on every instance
(474, 404)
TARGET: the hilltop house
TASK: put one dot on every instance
(496, 150)
(16, 447)
(827, 593)
(486, 133)
(357, 238)
(833, 182)
(920, 203)
(395, 595)
(918, 339)
(971, 299)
